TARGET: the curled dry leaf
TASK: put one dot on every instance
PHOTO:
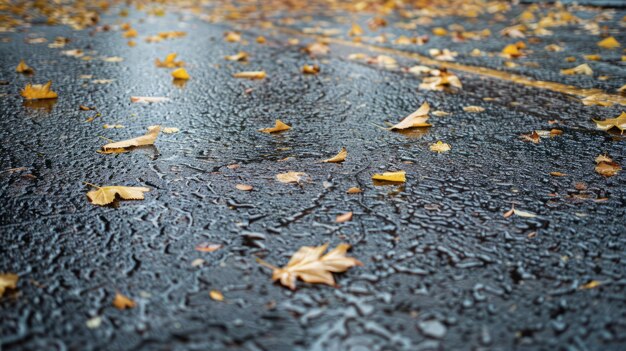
(292, 177)
(216, 295)
(415, 119)
(310, 266)
(473, 109)
(244, 187)
(208, 247)
(345, 217)
(399, 176)
(311, 69)
(440, 147)
(440, 80)
(618, 122)
(38, 91)
(169, 62)
(606, 167)
(106, 194)
(514, 211)
(8, 281)
(279, 126)
(581, 69)
(609, 43)
(122, 302)
(170, 130)
(340, 157)
(250, 75)
(180, 73)
(240, 56)
(22, 67)
(147, 139)
(147, 99)
(354, 190)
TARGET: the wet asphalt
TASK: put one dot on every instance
(443, 269)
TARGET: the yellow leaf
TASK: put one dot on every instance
(8, 281)
(169, 62)
(147, 139)
(171, 130)
(415, 119)
(440, 80)
(292, 177)
(180, 73)
(581, 69)
(592, 284)
(216, 295)
(232, 37)
(106, 194)
(440, 147)
(122, 302)
(310, 69)
(240, 56)
(474, 109)
(310, 266)
(399, 176)
(340, 157)
(511, 50)
(439, 31)
(344, 217)
(279, 126)
(617, 122)
(250, 74)
(609, 43)
(22, 67)
(38, 91)
(131, 33)
(355, 30)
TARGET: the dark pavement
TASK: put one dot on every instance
(443, 268)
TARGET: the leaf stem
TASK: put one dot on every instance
(90, 184)
(265, 264)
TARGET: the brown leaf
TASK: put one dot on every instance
(354, 190)
(310, 266)
(147, 139)
(279, 126)
(8, 281)
(122, 302)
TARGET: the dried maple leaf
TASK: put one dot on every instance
(310, 266)
(180, 73)
(240, 56)
(618, 122)
(8, 281)
(147, 99)
(340, 157)
(147, 139)
(106, 194)
(581, 69)
(399, 176)
(250, 74)
(345, 217)
(169, 62)
(292, 177)
(415, 119)
(38, 91)
(311, 69)
(279, 126)
(609, 43)
(122, 302)
(440, 147)
(22, 67)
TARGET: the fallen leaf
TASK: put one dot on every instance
(415, 119)
(606, 167)
(292, 177)
(440, 80)
(112, 126)
(113, 59)
(317, 49)
(340, 157)
(38, 91)
(557, 174)
(170, 130)
(617, 122)
(310, 266)
(106, 194)
(590, 285)
(147, 139)
(354, 190)
(122, 302)
(310, 69)
(440, 147)
(131, 33)
(517, 212)
(511, 50)
(22, 67)
(344, 217)
(207, 247)
(244, 187)
(180, 73)
(8, 281)
(443, 55)
(581, 69)
(147, 99)
(169, 62)
(279, 126)
(232, 37)
(474, 109)
(609, 43)
(399, 176)
(216, 295)
(240, 56)
(355, 30)
(250, 74)
(532, 137)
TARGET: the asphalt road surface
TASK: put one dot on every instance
(443, 268)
